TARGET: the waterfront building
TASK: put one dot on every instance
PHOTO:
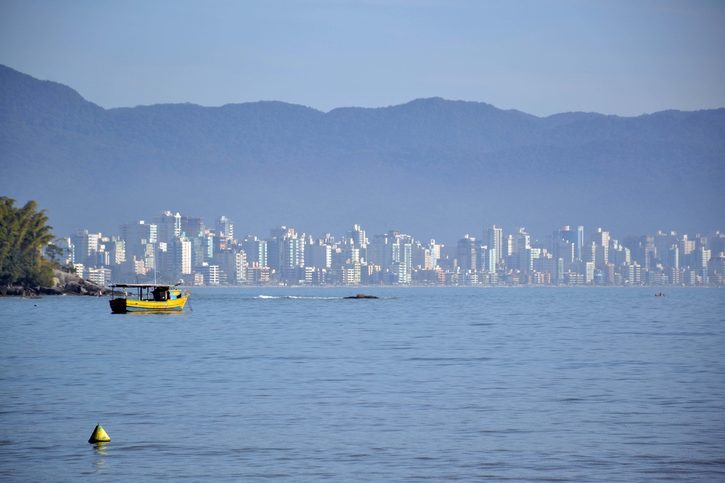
(589, 273)
(227, 261)
(211, 274)
(99, 275)
(351, 273)
(394, 258)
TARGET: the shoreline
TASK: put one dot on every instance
(63, 284)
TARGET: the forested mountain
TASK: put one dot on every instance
(431, 167)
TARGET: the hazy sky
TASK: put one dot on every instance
(542, 57)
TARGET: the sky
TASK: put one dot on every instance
(614, 57)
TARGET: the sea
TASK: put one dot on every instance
(301, 384)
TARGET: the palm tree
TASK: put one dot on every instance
(23, 234)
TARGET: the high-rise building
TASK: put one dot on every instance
(601, 238)
(256, 250)
(179, 252)
(589, 272)
(85, 247)
(649, 252)
(467, 254)
(318, 254)
(579, 242)
(192, 227)
(358, 236)
(490, 259)
(241, 268)
(169, 226)
(564, 249)
(522, 241)
(576, 238)
(117, 251)
(137, 236)
(663, 244)
(225, 228)
(351, 273)
(293, 252)
(227, 262)
(275, 246)
(402, 256)
(379, 251)
(495, 242)
(435, 252)
(212, 274)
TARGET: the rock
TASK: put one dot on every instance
(12, 291)
(70, 283)
(63, 283)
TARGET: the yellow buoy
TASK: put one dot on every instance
(99, 435)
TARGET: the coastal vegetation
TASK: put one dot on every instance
(24, 233)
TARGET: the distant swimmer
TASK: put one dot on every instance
(659, 294)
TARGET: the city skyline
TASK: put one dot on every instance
(173, 246)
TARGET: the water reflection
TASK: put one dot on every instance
(101, 451)
(155, 312)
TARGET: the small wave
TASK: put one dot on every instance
(293, 297)
(299, 297)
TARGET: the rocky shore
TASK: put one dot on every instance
(63, 284)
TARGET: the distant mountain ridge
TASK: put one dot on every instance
(431, 167)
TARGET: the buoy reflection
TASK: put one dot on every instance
(101, 450)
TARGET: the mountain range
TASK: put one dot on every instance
(430, 167)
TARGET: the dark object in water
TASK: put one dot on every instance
(361, 296)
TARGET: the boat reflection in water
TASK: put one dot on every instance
(147, 297)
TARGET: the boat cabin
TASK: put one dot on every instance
(146, 291)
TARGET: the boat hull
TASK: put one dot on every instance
(123, 306)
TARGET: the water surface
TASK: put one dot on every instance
(300, 385)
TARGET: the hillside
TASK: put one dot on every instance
(431, 167)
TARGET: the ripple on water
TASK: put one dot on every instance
(532, 385)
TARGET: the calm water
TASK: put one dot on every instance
(440, 384)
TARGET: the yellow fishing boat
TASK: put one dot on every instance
(147, 297)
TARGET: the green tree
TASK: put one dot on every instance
(23, 234)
